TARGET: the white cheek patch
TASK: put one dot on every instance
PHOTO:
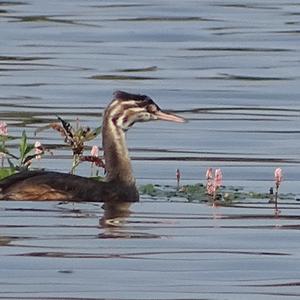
(125, 114)
(118, 107)
(113, 106)
(120, 122)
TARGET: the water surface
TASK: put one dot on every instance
(232, 69)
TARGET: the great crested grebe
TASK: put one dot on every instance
(119, 184)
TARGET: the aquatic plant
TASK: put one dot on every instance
(278, 179)
(178, 176)
(148, 189)
(231, 195)
(209, 182)
(95, 151)
(3, 128)
(94, 159)
(209, 174)
(27, 152)
(213, 184)
(217, 181)
(3, 136)
(76, 138)
(38, 149)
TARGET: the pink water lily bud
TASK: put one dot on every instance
(95, 151)
(39, 149)
(218, 178)
(209, 173)
(3, 128)
(278, 176)
(177, 174)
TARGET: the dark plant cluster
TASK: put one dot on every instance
(75, 138)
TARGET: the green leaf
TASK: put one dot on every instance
(29, 148)
(93, 133)
(148, 189)
(4, 138)
(23, 145)
(79, 131)
(4, 172)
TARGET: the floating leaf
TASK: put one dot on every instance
(148, 189)
(228, 195)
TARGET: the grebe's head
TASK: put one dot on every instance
(127, 109)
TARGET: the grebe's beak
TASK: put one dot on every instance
(169, 117)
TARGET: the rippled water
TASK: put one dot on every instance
(232, 69)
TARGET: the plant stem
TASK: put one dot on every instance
(75, 163)
(2, 155)
(276, 199)
(92, 169)
(214, 197)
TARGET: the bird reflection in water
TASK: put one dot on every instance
(113, 220)
(115, 223)
(115, 214)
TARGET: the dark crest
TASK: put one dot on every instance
(127, 96)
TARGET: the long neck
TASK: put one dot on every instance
(116, 156)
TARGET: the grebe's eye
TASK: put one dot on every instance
(152, 108)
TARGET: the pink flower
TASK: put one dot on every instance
(209, 173)
(95, 151)
(39, 149)
(278, 176)
(3, 128)
(210, 187)
(212, 184)
(218, 178)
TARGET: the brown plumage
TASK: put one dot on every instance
(119, 185)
